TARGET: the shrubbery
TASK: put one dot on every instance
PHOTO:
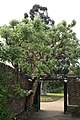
(56, 90)
(5, 111)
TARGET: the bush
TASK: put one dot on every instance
(5, 111)
(56, 90)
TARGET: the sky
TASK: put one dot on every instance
(58, 10)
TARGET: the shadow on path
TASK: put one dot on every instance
(52, 111)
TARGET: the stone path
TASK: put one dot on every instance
(52, 111)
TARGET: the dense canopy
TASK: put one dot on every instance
(38, 49)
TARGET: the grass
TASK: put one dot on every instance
(51, 97)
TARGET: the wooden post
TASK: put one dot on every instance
(38, 97)
(65, 96)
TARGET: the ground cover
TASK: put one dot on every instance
(51, 97)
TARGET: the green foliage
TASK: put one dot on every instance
(57, 90)
(20, 92)
(5, 111)
(39, 49)
(77, 70)
(14, 23)
(8, 90)
(51, 97)
(55, 87)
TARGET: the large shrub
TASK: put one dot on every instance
(5, 111)
(5, 95)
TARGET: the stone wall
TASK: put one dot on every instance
(8, 77)
(73, 90)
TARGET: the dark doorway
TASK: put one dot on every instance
(38, 93)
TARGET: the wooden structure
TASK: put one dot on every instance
(71, 93)
(37, 95)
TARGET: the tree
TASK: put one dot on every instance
(65, 47)
(38, 11)
(26, 48)
(37, 49)
(26, 44)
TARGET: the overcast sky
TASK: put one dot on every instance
(58, 10)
